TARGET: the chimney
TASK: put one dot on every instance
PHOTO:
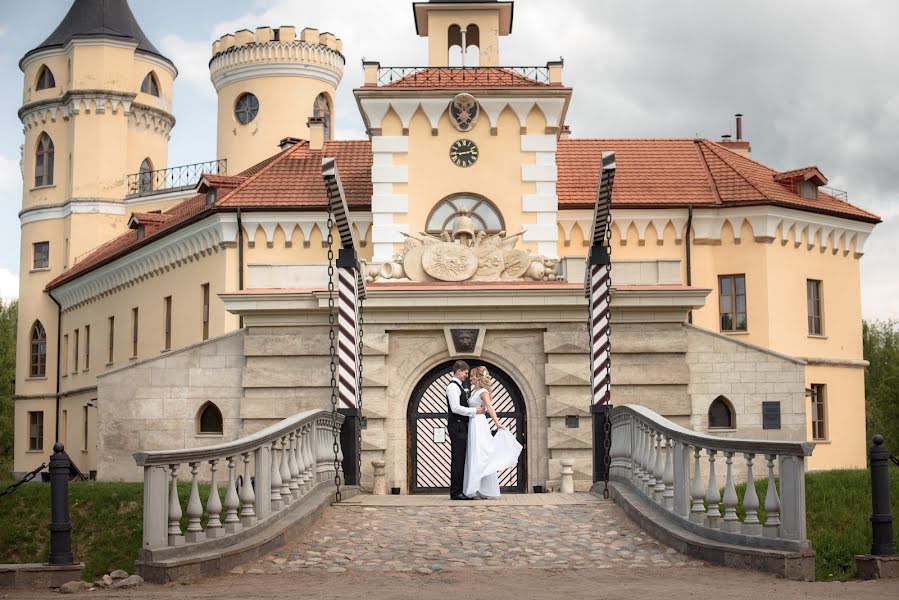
(565, 133)
(316, 132)
(739, 145)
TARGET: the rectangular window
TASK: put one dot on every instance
(168, 322)
(813, 298)
(65, 355)
(819, 411)
(134, 319)
(35, 430)
(76, 341)
(110, 342)
(205, 311)
(85, 430)
(732, 302)
(42, 255)
(87, 347)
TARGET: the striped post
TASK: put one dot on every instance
(598, 289)
(350, 292)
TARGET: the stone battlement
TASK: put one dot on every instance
(286, 34)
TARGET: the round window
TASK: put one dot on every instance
(246, 109)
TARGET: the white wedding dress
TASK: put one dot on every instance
(486, 455)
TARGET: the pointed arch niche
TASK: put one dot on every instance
(209, 420)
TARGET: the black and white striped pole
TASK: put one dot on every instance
(598, 287)
(350, 293)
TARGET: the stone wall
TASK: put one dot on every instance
(154, 404)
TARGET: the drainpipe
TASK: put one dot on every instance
(58, 355)
(689, 259)
(240, 257)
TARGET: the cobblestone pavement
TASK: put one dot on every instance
(470, 535)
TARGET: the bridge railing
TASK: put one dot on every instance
(263, 475)
(681, 471)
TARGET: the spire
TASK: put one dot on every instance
(100, 18)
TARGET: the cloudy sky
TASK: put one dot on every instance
(817, 80)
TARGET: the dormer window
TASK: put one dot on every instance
(141, 232)
(211, 196)
(807, 189)
(45, 79)
(802, 182)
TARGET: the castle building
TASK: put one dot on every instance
(166, 307)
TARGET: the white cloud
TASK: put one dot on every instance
(9, 285)
(191, 58)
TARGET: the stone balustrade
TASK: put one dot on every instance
(263, 475)
(663, 462)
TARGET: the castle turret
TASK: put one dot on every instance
(269, 82)
(96, 105)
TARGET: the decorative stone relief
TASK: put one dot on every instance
(465, 340)
(464, 254)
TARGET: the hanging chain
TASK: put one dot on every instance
(360, 301)
(28, 477)
(332, 351)
(607, 424)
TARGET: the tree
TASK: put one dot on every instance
(8, 316)
(881, 350)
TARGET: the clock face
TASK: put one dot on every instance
(463, 153)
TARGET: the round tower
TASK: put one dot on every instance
(269, 82)
(96, 106)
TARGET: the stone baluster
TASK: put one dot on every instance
(638, 453)
(175, 537)
(658, 470)
(213, 505)
(731, 522)
(650, 462)
(301, 463)
(751, 524)
(292, 465)
(247, 496)
(307, 458)
(232, 503)
(194, 509)
(668, 476)
(340, 460)
(712, 495)
(772, 503)
(697, 489)
(286, 495)
(276, 478)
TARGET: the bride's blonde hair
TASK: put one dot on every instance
(483, 377)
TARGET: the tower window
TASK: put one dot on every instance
(35, 431)
(246, 109)
(210, 420)
(732, 300)
(813, 299)
(485, 216)
(721, 414)
(145, 177)
(322, 109)
(150, 84)
(167, 323)
(43, 166)
(45, 79)
(205, 311)
(41, 255)
(38, 366)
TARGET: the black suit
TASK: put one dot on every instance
(457, 426)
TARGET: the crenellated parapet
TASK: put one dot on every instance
(246, 54)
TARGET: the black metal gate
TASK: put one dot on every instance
(429, 443)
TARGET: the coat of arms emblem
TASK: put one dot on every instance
(464, 111)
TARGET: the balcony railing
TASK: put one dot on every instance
(173, 179)
(841, 195)
(463, 76)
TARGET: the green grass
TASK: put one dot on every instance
(107, 524)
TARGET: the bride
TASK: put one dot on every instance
(486, 454)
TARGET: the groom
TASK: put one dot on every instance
(457, 417)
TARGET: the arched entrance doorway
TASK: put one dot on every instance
(429, 444)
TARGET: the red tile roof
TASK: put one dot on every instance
(469, 78)
(651, 173)
(680, 172)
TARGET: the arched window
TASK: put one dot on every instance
(43, 165)
(38, 362)
(322, 109)
(145, 177)
(45, 79)
(246, 108)
(210, 419)
(721, 414)
(484, 214)
(150, 84)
